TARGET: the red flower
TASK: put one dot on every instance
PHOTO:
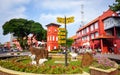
(53, 66)
(73, 67)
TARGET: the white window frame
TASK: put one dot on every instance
(87, 29)
(91, 28)
(96, 34)
(96, 25)
(92, 36)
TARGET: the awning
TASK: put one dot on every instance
(104, 37)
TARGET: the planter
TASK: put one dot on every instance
(98, 71)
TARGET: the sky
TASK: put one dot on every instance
(47, 11)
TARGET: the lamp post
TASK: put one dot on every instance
(65, 21)
(115, 48)
(115, 35)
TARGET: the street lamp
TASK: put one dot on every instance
(115, 47)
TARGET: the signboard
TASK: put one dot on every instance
(61, 41)
(61, 29)
(61, 35)
(60, 20)
(68, 20)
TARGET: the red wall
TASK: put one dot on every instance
(100, 30)
(52, 36)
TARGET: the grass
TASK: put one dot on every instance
(86, 69)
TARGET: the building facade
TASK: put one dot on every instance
(52, 36)
(101, 33)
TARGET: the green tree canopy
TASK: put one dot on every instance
(115, 6)
(69, 42)
(23, 27)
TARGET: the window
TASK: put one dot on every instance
(79, 33)
(92, 36)
(50, 38)
(82, 32)
(88, 38)
(87, 29)
(91, 28)
(82, 39)
(49, 48)
(53, 38)
(55, 30)
(96, 34)
(56, 38)
(54, 47)
(96, 25)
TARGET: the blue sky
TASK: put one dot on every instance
(46, 11)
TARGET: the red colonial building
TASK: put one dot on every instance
(52, 36)
(102, 32)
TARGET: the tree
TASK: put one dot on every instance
(69, 42)
(22, 28)
(115, 6)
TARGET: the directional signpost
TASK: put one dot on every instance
(61, 36)
(65, 21)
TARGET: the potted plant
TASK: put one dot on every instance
(103, 66)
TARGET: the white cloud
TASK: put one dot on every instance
(60, 4)
(6, 5)
(47, 18)
(10, 9)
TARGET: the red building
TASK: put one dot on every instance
(102, 32)
(52, 36)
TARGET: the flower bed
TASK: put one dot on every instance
(103, 66)
(48, 68)
(104, 63)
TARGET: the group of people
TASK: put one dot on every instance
(83, 50)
